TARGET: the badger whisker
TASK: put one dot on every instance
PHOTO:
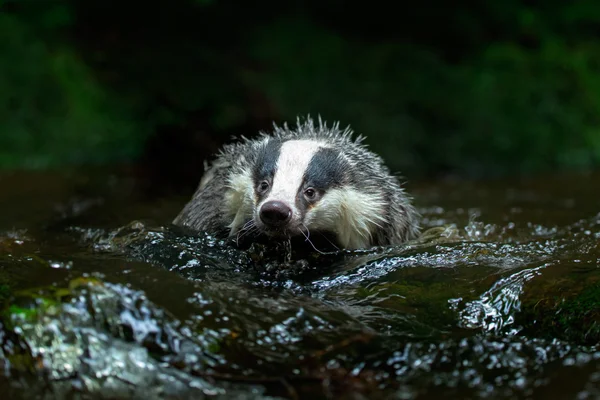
(316, 176)
(330, 242)
(247, 231)
(242, 233)
(307, 236)
(248, 225)
(248, 228)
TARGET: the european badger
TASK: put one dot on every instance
(312, 179)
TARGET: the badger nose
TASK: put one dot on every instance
(275, 213)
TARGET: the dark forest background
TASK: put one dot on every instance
(467, 88)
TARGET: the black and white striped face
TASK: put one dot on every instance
(291, 178)
(301, 186)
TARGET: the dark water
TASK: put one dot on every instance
(103, 299)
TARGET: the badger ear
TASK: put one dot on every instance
(211, 171)
(239, 200)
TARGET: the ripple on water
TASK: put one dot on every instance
(497, 300)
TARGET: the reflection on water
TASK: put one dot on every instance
(103, 298)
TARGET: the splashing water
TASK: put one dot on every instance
(499, 298)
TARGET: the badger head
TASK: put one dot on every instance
(303, 187)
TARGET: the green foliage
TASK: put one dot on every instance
(507, 109)
(527, 100)
(52, 109)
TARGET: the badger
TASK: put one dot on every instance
(299, 182)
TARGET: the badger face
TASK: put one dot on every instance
(290, 182)
(299, 187)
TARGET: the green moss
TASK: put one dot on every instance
(420, 294)
(573, 315)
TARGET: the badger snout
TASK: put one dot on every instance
(275, 213)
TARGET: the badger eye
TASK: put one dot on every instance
(263, 186)
(310, 194)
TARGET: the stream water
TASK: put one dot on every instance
(102, 298)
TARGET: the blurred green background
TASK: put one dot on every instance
(465, 88)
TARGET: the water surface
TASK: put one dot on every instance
(104, 299)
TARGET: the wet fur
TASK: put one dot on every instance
(368, 208)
